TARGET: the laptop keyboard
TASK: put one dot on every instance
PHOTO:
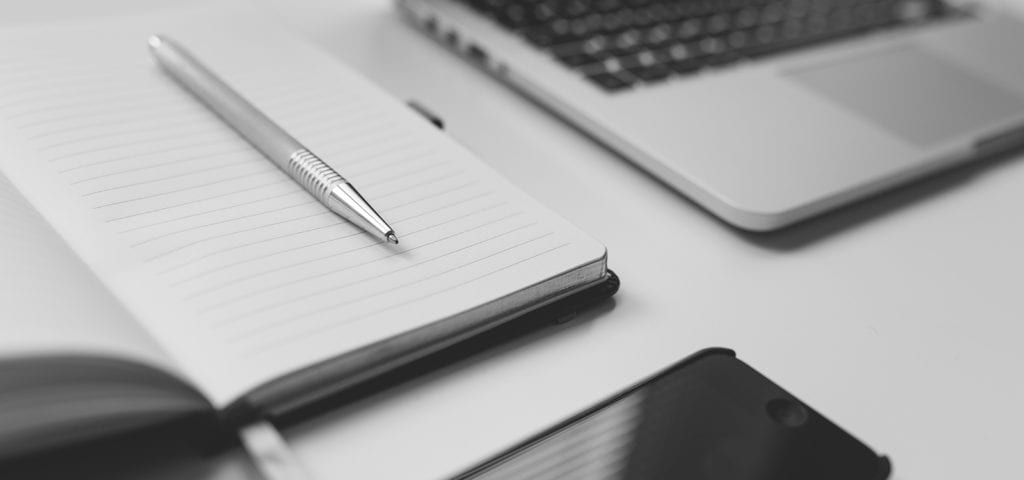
(618, 44)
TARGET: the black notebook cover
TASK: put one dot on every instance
(534, 321)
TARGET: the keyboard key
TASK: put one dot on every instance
(765, 34)
(711, 46)
(746, 18)
(515, 16)
(774, 12)
(682, 59)
(575, 54)
(618, 43)
(718, 24)
(646, 65)
(653, 73)
(658, 35)
(609, 82)
(690, 29)
(627, 42)
(543, 36)
(543, 12)
(605, 6)
(575, 8)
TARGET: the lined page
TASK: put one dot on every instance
(51, 304)
(233, 266)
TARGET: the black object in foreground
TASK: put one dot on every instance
(710, 416)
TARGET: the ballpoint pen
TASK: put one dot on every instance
(319, 179)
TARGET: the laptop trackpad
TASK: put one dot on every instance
(913, 94)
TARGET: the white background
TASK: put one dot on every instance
(898, 318)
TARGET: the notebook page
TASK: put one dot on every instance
(237, 270)
(51, 304)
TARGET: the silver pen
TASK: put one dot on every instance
(319, 179)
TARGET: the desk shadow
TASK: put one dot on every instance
(492, 344)
(829, 223)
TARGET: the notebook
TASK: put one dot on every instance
(155, 266)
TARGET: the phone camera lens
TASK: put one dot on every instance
(786, 412)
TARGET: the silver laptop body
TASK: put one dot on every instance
(767, 142)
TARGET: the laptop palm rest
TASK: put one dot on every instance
(913, 94)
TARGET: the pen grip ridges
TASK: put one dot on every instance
(313, 173)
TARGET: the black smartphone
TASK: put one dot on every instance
(708, 417)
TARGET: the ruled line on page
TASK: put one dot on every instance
(220, 268)
(375, 168)
(216, 141)
(166, 135)
(368, 151)
(185, 121)
(64, 108)
(425, 182)
(100, 78)
(278, 321)
(37, 93)
(436, 193)
(492, 272)
(179, 149)
(267, 347)
(57, 80)
(415, 201)
(320, 212)
(109, 119)
(221, 181)
(334, 288)
(214, 153)
(403, 176)
(226, 207)
(127, 89)
(263, 257)
(280, 338)
(249, 230)
(275, 182)
(343, 129)
(302, 203)
(249, 276)
(175, 162)
(341, 253)
(288, 234)
(68, 122)
(167, 178)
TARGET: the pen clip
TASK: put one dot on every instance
(426, 113)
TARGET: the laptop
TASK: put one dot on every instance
(765, 112)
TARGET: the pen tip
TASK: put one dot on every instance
(391, 238)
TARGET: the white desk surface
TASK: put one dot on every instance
(900, 319)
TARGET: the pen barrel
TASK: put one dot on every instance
(258, 129)
(318, 178)
(312, 173)
(335, 192)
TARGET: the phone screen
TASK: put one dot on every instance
(710, 416)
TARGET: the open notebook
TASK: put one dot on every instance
(154, 265)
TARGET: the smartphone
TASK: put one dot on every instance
(708, 417)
